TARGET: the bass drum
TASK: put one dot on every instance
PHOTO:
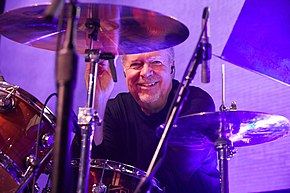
(20, 115)
(108, 176)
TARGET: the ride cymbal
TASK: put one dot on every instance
(243, 128)
(125, 29)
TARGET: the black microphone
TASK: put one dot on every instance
(2, 6)
(206, 47)
(113, 69)
(110, 57)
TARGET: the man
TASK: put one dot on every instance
(128, 133)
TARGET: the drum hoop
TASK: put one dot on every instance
(121, 167)
(10, 167)
(31, 101)
(113, 166)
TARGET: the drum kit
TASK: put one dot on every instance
(27, 126)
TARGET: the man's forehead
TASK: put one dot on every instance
(148, 55)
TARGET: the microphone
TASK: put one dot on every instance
(2, 6)
(113, 69)
(206, 47)
(110, 57)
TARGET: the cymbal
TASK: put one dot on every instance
(243, 128)
(125, 29)
(251, 52)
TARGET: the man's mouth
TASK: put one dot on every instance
(148, 84)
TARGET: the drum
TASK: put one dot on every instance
(108, 176)
(20, 115)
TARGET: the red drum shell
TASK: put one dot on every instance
(18, 134)
(117, 177)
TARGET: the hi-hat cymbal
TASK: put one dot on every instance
(125, 29)
(243, 128)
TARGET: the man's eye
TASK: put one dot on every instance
(135, 65)
(156, 62)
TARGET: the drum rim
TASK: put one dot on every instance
(32, 101)
(110, 165)
(9, 166)
(137, 174)
(154, 181)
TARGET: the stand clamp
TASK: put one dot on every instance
(88, 119)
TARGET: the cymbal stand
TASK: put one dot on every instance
(88, 118)
(223, 145)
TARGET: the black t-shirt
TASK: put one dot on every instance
(130, 138)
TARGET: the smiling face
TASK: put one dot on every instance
(149, 78)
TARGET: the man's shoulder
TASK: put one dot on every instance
(122, 95)
(193, 89)
(199, 91)
(198, 100)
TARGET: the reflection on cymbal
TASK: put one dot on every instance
(125, 29)
(243, 128)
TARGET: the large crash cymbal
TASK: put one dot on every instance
(243, 128)
(126, 29)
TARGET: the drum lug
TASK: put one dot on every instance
(47, 140)
(31, 160)
(7, 102)
(101, 188)
(36, 188)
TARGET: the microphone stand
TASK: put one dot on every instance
(66, 68)
(175, 110)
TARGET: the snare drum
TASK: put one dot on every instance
(19, 122)
(114, 177)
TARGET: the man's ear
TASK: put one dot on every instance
(172, 70)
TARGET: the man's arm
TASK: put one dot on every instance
(104, 86)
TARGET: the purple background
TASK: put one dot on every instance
(256, 168)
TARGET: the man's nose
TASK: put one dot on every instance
(146, 70)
